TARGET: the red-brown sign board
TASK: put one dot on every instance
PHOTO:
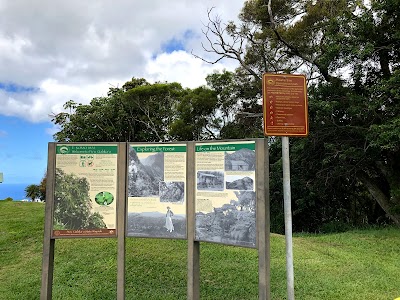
(85, 233)
(285, 105)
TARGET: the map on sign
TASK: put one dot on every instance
(285, 105)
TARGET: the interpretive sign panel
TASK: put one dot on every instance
(156, 190)
(85, 190)
(285, 105)
(225, 197)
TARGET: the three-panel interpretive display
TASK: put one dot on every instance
(208, 191)
(156, 198)
(86, 184)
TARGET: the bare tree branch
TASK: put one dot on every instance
(220, 46)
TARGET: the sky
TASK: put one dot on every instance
(52, 51)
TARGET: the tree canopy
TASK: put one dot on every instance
(350, 53)
(72, 205)
(32, 192)
(347, 171)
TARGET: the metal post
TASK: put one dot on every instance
(288, 217)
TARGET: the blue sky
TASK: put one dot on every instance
(23, 144)
(65, 53)
(23, 150)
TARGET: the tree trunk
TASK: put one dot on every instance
(380, 197)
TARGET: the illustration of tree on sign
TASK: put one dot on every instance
(72, 204)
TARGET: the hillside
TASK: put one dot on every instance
(352, 265)
(144, 179)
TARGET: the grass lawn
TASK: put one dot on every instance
(352, 265)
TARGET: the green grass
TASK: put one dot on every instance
(352, 265)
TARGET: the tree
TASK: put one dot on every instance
(72, 204)
(138, 111)
(195, 116)
(238, 102)
(42, 188)
(350, 53)
(32, 192)
(143, 112)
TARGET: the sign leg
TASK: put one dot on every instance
(193, 284)
(263, 220)
(48, 243)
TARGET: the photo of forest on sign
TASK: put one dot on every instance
(172, 191)
(72, 204)
(234, 223)
(144, 176)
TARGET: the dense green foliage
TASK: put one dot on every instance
(156, 269)
(32, 192)
(347, 172)
(140, 111)
(72, 204)
(42, 188)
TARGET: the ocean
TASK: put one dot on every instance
(13, 190)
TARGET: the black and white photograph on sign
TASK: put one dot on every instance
(240, 160)
(210, 180)
(172, 192)
(239, 182)
(157, 224)
(144, 176)
(156, 206)
(233, 223)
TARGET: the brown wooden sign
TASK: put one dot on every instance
(285, 105)
(84, 233)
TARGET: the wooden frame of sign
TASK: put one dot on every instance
(109, 158)
(194, 183)
(262, 215)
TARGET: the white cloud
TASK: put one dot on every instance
(181, 67)
(75, 49)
